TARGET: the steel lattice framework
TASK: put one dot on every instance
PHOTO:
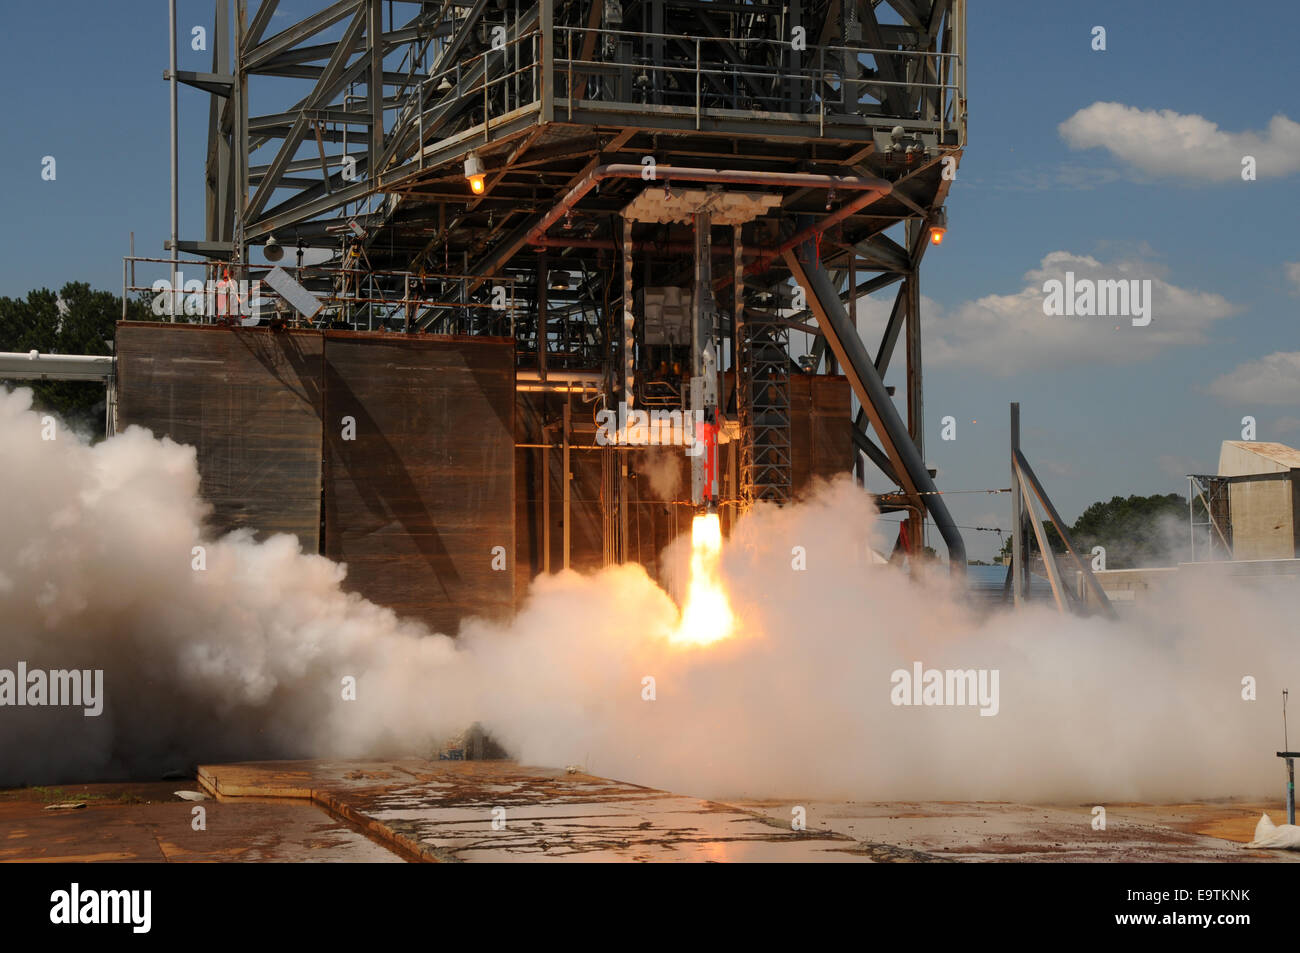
(366, 111)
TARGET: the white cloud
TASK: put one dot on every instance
(1293, 275)
(1274, 379)
(1165, 143)
(1009, 334)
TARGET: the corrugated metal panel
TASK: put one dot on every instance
(831, 426)
(417, 501)
(249, 400)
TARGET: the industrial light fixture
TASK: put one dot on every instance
(475, 173)
(938, 226)
(272, 250)
(559, 281)
(444, 86)
(830, 198)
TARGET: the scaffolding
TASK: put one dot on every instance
(843, 119)
(1213, 529)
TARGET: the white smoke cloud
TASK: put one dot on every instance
(1165, 143)
(244, 660)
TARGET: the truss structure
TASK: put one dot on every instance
(349, 129)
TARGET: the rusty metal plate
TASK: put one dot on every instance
(249, 401)
(419, 472)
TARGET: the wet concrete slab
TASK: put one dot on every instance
(500, 811)
(148, 823)
(1202, 831)
(389, 811)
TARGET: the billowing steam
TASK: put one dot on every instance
(247, 658)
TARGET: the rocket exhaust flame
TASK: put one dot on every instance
(706, 616)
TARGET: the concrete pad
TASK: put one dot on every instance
(445, 811)
(1206, 831)
(147, 823)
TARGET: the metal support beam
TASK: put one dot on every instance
(568, 422)
(1044, 548)
(852, 354)
(1094, 587)
(1017, 516)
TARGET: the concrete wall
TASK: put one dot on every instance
(1263, 516)
(1129, 587)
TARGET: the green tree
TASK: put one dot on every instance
(1134, 531)
(83, 323)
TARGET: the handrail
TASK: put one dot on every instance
(352, 290)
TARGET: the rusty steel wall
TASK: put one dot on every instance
(249, 401)
(416, 503)
(821, 438)
(413, 506)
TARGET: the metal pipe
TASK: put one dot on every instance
(546, 504)
(1290, 790)
(875, 186)
(608, 244)
(34, 366)
(812, 231)
(543, 324)
(852, 354)
(567, 424)
(1017, 515)
(171, 21)
(557, 388)
(560, 375)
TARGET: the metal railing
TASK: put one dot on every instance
(517, 87)
(812, 84)
(207, 292)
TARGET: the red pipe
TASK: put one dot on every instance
(812, 231)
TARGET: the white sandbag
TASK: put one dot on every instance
(1268, 834)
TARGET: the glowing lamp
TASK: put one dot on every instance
(938, 226)
(474, 172)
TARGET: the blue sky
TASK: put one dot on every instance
(1106, 410)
